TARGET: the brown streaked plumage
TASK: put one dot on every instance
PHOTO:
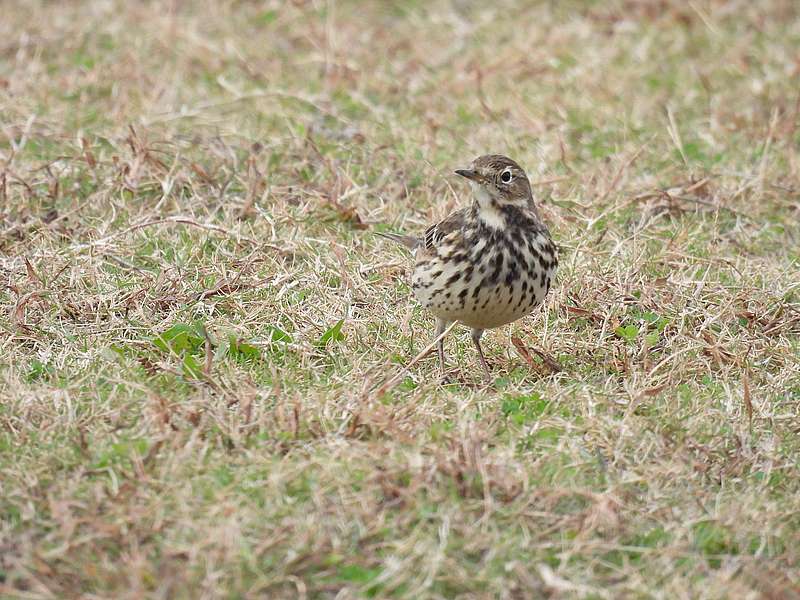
(488, 264)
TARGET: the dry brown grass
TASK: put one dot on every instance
(219, 166)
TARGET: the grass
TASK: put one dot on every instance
(197, 318)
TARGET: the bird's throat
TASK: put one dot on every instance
(488, 208)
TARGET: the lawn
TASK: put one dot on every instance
(208, 384)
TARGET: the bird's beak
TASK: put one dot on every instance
(470, 174)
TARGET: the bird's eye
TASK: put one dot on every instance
(506, 176)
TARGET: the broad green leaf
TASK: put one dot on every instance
(278, 335)
(242, 351)
(181, 338)
(333, 334)
(522, 409)
(357, 573)
(627, 332)
(191, 368)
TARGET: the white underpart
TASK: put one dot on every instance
(495, 304)
(487, 213)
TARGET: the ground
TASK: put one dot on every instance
(210, 381)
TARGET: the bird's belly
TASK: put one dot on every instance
(484, 291)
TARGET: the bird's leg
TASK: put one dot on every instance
(441, 326)
(476, 339)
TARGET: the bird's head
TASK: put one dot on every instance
(498, 181)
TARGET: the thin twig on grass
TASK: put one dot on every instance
(176, 219)
(396, 379)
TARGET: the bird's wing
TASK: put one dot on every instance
(437, 232)
(433, 235)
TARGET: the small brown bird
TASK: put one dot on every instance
(489, 264)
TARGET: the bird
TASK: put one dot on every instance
(487, 264)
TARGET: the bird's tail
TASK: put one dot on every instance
(406, 240)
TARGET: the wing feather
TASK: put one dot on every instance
(436, 232)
